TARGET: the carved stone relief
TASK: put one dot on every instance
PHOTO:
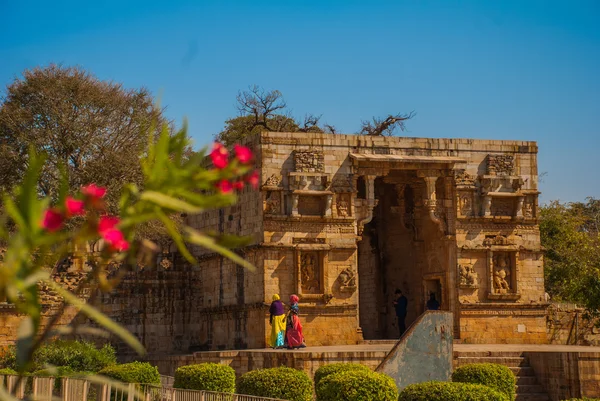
(310, 279)
(502, 271)
(529, 207)
(500, 164)
(347, 279)
(465, 204)
(273, 203)
(273, 181)
(468, 276)
(309, 161)
(343, 206)
(464, 179)
(496, 240)
(310, 205)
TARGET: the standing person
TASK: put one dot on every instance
(400, 304)
(293, 333)
(433, 304)
(277, 321)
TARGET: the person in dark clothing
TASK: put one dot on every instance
(400, 304)
(433, 304)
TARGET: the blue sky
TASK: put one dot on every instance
(472, 69)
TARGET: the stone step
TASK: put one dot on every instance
(522, 371)
(526, 380)
(510, 361)
(378, 342)
(529, 389)
(532, 397)
(488, 354)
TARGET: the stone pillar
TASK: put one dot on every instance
(400, 196)
(295, 204)
(328, 202)
(487, 206)
(519, 211)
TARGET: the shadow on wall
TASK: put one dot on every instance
(424, 353)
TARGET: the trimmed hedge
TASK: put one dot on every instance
(284, 383)
(450, 391)
(356, 385)
(206, 376)
(333, 368)
(8, 371)
(134, 372)
(493, 375)
(80, 356)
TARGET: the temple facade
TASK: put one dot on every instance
(345, 220)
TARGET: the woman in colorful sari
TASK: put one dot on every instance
(293, 332)
(277, 320)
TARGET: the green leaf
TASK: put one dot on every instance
(168, 202)
(98, 317)
(197, 238)
(176, 236)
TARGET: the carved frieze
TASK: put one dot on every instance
(297, 240)
(309, 227)
(465, 204)
(342, 183)
(464, 179)
(309, 161)
(503, 207)
(500, 164)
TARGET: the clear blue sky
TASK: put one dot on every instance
(501, 69)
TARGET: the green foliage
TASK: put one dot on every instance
(570, 234)
(8, 357)
(134, 372)
(495, 376)
(356, 385)
(332, 368)
(282, 382)
(206, 376)
(79, 356)
(448, 391)
(7, 371)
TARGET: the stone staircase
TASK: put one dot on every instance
(527, 388)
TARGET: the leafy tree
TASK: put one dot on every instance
(569, 233)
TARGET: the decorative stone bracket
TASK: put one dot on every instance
(367, 205)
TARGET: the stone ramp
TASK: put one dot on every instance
(527, 389)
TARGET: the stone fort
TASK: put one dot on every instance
(343, 221)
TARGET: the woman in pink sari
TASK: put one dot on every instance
(293, 333)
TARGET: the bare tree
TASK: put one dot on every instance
(310, 123)
(330, 129)
(260, 104)
(386, 126)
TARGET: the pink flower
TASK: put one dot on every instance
(219, 156)
(243, 154)
(53, 220)
(93, 191)
(252, 179)
(74, 207)
(238, 185)
(107, 223)
(225, 187)
(113, 236)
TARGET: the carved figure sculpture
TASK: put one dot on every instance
(465, 204)
(273, 181)
(501, 273)
(342, 207)
(468, 277)
(309, 274)
(347, 279)
(272, 204)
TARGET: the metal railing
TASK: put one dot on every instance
(73, 389)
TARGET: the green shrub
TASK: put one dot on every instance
(498, 377)
(80, 356)
(206, 376)
(134, 372)
(8, 357)
(448, 391)
(8, 371)
(358, 384)
(332, 368)
(284, 383)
